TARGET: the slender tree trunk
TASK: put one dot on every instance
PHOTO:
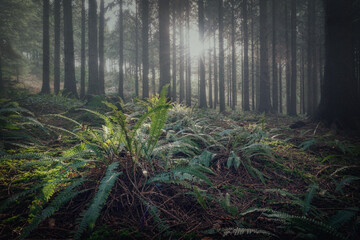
(287, 59)
(280, 90)
(121, 52)
(188, 59)
(246, 104)
(210, 82)
(233, 60)
(164, 49)
(274, 64)
(101, 48)
(202, 55)
(174, 6)
(216, 89)
(70, 81)
(293, 60)
(57, 13)
(145, 46)
(252, 61)
(302, 82)
(83, 57)
(181, 70)
(264, 104)
(221, 58)
(1, 74)
(311, 73)
(46, 49)
(136, 51)
(94, 88)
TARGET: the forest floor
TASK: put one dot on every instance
(69, 171)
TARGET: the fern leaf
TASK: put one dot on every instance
(245, 231)
(54, 206)
(92, 213)
(342, 217)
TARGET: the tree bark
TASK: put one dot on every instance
(202, 103)
(264, 104)
(292, 109)
(136, 50)
(121, 52)
(145, 47)
(233, 60)
(216, 86)
(221, 58)
(83, 57)
(275, 94)
(210, 82)
(46, 50)
(101, 48)
(339, 101)
(287, 59)
(246, 105)
(164, 49)
(70, 81)
(174, 51)
(57, 13)
(188, 59)
(94, 88)
(181, 67)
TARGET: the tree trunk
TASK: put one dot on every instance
(101, 48)
(121, 52)
(252, 60)
(174, 6)
(164, 49)
(83, 57)
(274, 64)
(70, 81)
(210, 82)
(57, 13)
(246, 105)
(94, 88)
(339, 101)
(264, 104)
(181, 70)
(221, 58)
(136, 51)
(216, 89)
(310, 59)
(287, 59)
(233, 60)
(145, 46)
(202, 103)
(46, 50)
(188, 59)
(280, 90)
(292, 109)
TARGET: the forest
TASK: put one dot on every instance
(181, 119)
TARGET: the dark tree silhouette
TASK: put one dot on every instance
(46, 49)
(221, 59)
(121, 52)
(101, 48)
(188, 59)
(292, 108)
(174, 7)
(275, 95)
(93, 49)
(57, 13)
(145, 47)
(246, 105)
(164, 49)
(83, 57)
(202, 103)
(70, 81)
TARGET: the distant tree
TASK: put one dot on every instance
(287, 59)
(145, 46)
(101, 48)
(181, 52)
(311, 58)
(46, 49)
(94, 88)
(173, 91)
(188, 59)
(216, 86)
(292, 109)
(275, 95)
(70, 81)
(164, 47)
(210, 81)
(246, 106)
(233, 58)
(202, 55)
(221, 59)
(264, 104)
(57, 13)
(339, 99)
(252, 58)
(83, 57)
(121, 51)
(136, 49)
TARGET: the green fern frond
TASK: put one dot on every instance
(342, 217)
(92, 213)
(308, 198)
(245, 231)
(155, 213)
(62, 198)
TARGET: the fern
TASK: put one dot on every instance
(244, 231)
(92, 213)
(53, 207)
